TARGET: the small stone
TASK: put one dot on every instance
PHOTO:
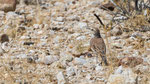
(73, 18)
(30, 2)
(28, 43)
(119, 70)
(81, 38)
(1, 51)
(8, 5)
(136, 34)
(4, 38)
(116, 31)
(21, 56)
(29, 60)
(130, 61)
(36, 26)
(66, 56)
(79, 61)
(5, 46)
(50, 59)
(99, 68)
(121, 18)
(122, 76)
(24, 37)
(117, 45)
(108, 6)
(61, 78)
(82, 25)
(70, 71)
(58, 3)
(88, 76)
(11, 15)
(60, 19)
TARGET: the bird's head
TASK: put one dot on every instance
(97, 33)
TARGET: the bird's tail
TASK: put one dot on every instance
(104, 60)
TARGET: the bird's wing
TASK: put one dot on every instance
(100, 47)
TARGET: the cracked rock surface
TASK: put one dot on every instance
(49, 44)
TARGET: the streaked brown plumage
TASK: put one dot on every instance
(97, 43)
(98, 46)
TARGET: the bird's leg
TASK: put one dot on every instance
(96, 59)
(104, 60)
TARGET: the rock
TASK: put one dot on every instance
(121, 18)
(36, 26)
(61, 78)
(130, 61)
(116, 31)
(99, 68)
(11, 15)
(5, 46)
(8, 5)
(21, 56)
(1, 50)
(70, 71)
(4, 38)
(95, 2)
(80, 48)
(108, 6)
(88, 76)
(122, 76)
(82, 25)
(81, 38)
(60, 19)
(66, 56)
(50, 59)
(30, 60)
(79, 61)
(117, 45)
(136, 34)
(32, 2)
(73, 18)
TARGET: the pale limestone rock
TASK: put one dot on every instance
(122, 76)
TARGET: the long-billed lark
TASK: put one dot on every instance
(98, 46)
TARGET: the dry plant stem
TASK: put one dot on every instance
(136, 5)
(12, 78)
(112, 1)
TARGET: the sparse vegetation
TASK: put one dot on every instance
(35, 31)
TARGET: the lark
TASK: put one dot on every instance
(98, 46)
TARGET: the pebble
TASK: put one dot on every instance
(122, 76)
(21, 56)
(1, 50)
(116, 31)
(4, 38)
(60, 19)
(80, 61)
(81, 38)
(99, 68)
(73, 18)
(36, 25)
(50, 59)
(11, 15)
(8, 5)
(61, 78)
(82, 25)
(70, 71)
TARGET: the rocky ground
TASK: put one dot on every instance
(48, 43)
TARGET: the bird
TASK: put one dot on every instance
(97, 44)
